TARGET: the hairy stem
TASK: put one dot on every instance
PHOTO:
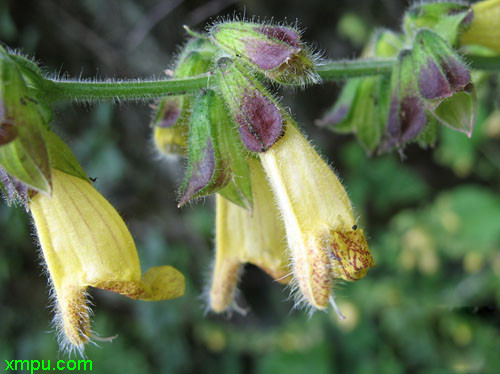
(122, 90)
(340, 70)
(139, 90)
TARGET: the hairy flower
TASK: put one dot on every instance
(256, 237)
(86, 243)
(323, 237)
(274, 50)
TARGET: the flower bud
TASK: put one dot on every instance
(170, 127)
(86, 243)
(447, 18)
(255, 237)
(440, 70)
(444, 82)
(252, 108)
(484, 28)
(387, 43)
(406, 117)
(173, 114)
(275, 51)
(23, 152)
(323, 238)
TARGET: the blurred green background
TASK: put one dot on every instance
(433, 219)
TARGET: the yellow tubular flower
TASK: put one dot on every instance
(485, 26)
(86, 243)
(323, 238)
(257, 237)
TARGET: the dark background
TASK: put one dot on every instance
(433, 220)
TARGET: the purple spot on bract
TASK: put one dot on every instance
(260, 121)
(406, 119)
(457, 74)
(202, 172)
(334, 117)
(171, 114)
(468, 19)
(458, 9)
(393, 128)
(432, 83)
(266, 54)
(412, 117)
(8, 132)
(283, 34)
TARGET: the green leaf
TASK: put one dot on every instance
(26, 157)
(233, 152)
(62, 158)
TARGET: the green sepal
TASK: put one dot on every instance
(458, 112)
(25, 156)
(447, 19)
(339, 117)
(429, 134)
(195, 58)
(383, 100)
(387, 43)
(234, 154)
(206, 171)
(62, 158)
(364, 119)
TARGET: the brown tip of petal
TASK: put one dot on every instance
(158, 283)
(73, 318)
(312, 272)
(223, 286)
(351, 258)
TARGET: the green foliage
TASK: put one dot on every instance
(430, 305)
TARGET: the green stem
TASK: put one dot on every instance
(125, 90)
(137, 90)
(340, 70)
(491, 63)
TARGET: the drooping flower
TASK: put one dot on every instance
(323, 237)
(86, 243)
(242, 236)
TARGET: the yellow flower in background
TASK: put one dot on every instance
(323, 238)
(256, 237)
(170, 141)
(485, 25)
(86, 243)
